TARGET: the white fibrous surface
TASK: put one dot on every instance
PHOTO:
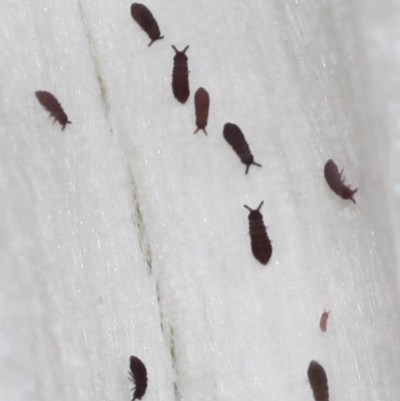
(125, 234)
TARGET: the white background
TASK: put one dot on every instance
(126, 234)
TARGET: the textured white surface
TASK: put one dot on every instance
(126, 234)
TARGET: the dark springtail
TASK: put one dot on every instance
(143, 16)
(202, 105)
(51, 104)
(138, 375)
(180, 75)
(324, 320)
(236, 139)
(260, 243)
(318, 381)
(336, 183)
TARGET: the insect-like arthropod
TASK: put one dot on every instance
(51, 104)
(234, 136)
(142, 15)
(324, 320)
(260, 243)
(318, 381)
(138, 375)
(202, 104)
(335, 181)
(180, 75)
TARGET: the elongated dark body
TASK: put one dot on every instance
(336, 183)
(143, 16)
(180, 75)
(234, 136)
(51, 104)
(323, 321)
(318, 381)
(138, 375)
(202, 105)
(260, 243)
